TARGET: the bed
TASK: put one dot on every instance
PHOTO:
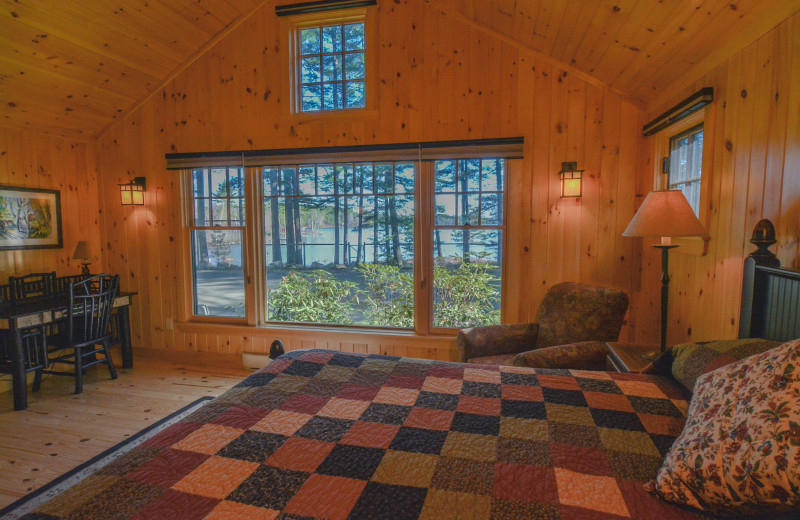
(324, 434)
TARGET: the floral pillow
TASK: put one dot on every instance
(739, 452)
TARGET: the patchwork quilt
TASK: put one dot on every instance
(325, 435)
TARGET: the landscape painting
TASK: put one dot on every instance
(30, 218)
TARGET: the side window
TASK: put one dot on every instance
(686, 164)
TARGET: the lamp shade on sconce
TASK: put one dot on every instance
(571, 180)
(665, 214)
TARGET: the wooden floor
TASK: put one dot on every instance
(60, 430)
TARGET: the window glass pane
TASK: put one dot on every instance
(331, 68)
(306, 180)
(199, 182)
(354, 66)
(685, 164)
(445, 209)
(218, 273)
(469, 175)
(309, 41)
(332, 38)
(310, 70)
(466, 277)
(490, 209)
(201, 212)
(445, 176)
(354, 94)
(311, 97)
(346, 257)
(354, 37)
(332, 96)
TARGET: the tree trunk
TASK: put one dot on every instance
(464, 215)
(335, 218)
(298, 233)
(438, 239)
(386, 244)
(275, 216)
(202, 244)
(288, 208)
(375, 230)
(360, 216)
(499, 168)
(398, 253)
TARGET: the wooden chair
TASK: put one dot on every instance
(33, 347)
(86, 332)
(32, 285)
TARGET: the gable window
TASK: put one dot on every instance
(380, 236)
(332, 67)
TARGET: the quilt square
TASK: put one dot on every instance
(660, 425)
(618, 420)
(560, 396)
(648, 405)
(480, 389)
(479, 405)
(470, 446)
(522, 393)
(269, 487)
(443, 385)
(351, 461)
(305, 403)
(167, 468)
(360, 392)
(519, 451)
(482, 375)
(303, 368)
(253, 446)
(627, 441)
(590, 492)
(633, 466)
(380, 501)
(640, 388)
(309, 500)
(450, 505)
(317, 356)
(300, 454)
(465, 476)
(523, 409)
(241, 417)
(558, 382)
(447, 371)
(429, 419)
(216, 477)
(338, 374)
(574, 434)
(528, 429)
(346, 360)
(395, 395)
(516, 509)
(606, 401)
(437, 401)
(344, 408)
(386, 413)
(226, 510)
(209, 439)
(173, 434)
(605, 386)
(370, 435)
(403, 468)
(405, 381)
(177, 506)
(526, 378)
(525, 483)
(418, 440)
(256, 380)
(473, 423)
(580, 459)
(282, 422)
(325, 429)
(566, 414)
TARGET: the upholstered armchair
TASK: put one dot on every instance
(573, 323)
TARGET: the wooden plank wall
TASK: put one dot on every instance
(36, 160)
(755, 175)
(439, 79)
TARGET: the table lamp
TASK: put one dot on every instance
(82, 253)
(664, 214)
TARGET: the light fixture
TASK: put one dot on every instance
(571, 179)
(82, 253)
(132, 193)
(664, 214)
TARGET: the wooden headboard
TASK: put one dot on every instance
(770, 303)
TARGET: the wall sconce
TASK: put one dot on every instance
(132, 193)
(571, 179)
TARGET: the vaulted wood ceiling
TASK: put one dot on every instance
(73, 67)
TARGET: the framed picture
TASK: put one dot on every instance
(30, 218)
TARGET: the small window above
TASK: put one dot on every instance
(686, 164)
(332, 67)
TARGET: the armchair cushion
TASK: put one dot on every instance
(574, 312)
(587, 355)
(496, 340)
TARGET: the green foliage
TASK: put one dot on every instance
(389, 295)
(313, 297)
(465, 296)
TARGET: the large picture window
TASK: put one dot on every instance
(394, 242)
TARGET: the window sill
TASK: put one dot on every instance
(328, 115)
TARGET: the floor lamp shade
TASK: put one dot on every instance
(664, 214)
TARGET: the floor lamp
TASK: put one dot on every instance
(664, 214)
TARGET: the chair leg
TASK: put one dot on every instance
(107, 352)
(78, 371)
(37, 380)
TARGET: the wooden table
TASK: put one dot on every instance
(627, 357)
(41, 311)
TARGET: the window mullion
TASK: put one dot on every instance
(255, 266)
(423, 249)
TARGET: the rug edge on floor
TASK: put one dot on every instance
(47, 492)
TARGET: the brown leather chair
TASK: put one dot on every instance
(571, 313)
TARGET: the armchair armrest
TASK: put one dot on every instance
(496, 340)
(586, 355)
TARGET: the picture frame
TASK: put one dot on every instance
(30, 218)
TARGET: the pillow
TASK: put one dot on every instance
(688, 361)
(739, 452)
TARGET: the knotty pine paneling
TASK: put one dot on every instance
(756, 160)
(36, 160)
(439, 79)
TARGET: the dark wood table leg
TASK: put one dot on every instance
(20, 381)
(125, 336)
